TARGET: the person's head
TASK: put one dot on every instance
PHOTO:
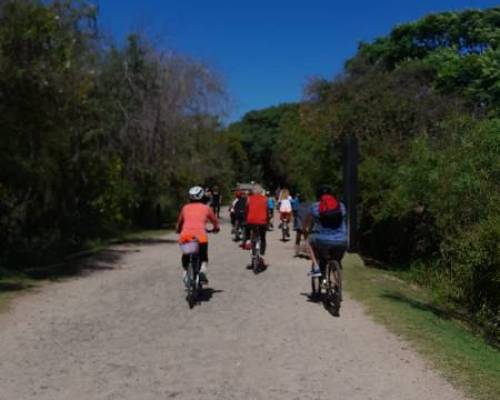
(298, 197)
(323, 189)
(238, 194)
(196, 194)
(257, 189)
(285, 194)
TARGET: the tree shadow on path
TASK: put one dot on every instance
(424, 306)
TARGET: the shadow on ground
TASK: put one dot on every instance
(145, 242)
(14, 286)
(206, 294)
(87, 262)
(423, 306)
(320, 300)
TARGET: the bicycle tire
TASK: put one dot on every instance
(194, 284)
(256, 256)
(332, 295)
(189, 286)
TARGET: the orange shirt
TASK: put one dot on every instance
(257, 210)
(192, 221)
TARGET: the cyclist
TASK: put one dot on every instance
(216, 201)
(191, 225)
(256, 218)
(303, 211)
(270, 209)
(327, 225)
(295, 207)
(240, 210)
(285, 206)
(232, 214)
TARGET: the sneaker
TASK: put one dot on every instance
(203, 277)
(203, 267)
(315, 272)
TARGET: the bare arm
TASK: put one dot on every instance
(308, 227)
(213, 219)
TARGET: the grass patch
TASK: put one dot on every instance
(465, 359)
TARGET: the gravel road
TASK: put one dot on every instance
(123, 330)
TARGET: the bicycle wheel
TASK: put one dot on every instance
(193, 285)
(256, 257)
(332, 287)
(189, 283)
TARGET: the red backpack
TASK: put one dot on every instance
(330, 213)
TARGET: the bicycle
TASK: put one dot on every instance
(256, 260)
(285, 230)
(330, 282)
(192, 278)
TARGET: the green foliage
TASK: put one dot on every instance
(429, 175)
(434, 329)
(95, 139)
(424, 104)
(462, 49)
(277, 149)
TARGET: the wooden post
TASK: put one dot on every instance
(351, 157)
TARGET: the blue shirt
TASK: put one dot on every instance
(295, 204)
(270, 203)
(324, 234)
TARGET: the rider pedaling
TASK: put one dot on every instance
(191, 226)
(271, 205)
(285, 206)
(328, 230)
(257, 218)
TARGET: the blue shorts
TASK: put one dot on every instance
(324, 249)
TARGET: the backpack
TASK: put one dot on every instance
(330, 213)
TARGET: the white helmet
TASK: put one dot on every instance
(196, 193)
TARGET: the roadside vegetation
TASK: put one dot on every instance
(410, 311)
(96, 138)
(424, 102)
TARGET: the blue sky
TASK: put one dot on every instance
(266, 51)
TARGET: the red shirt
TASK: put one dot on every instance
(257, 210)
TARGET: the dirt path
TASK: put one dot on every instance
(126, 332)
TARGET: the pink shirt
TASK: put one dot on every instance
(193, 219)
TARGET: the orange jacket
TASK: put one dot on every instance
(192, 221)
